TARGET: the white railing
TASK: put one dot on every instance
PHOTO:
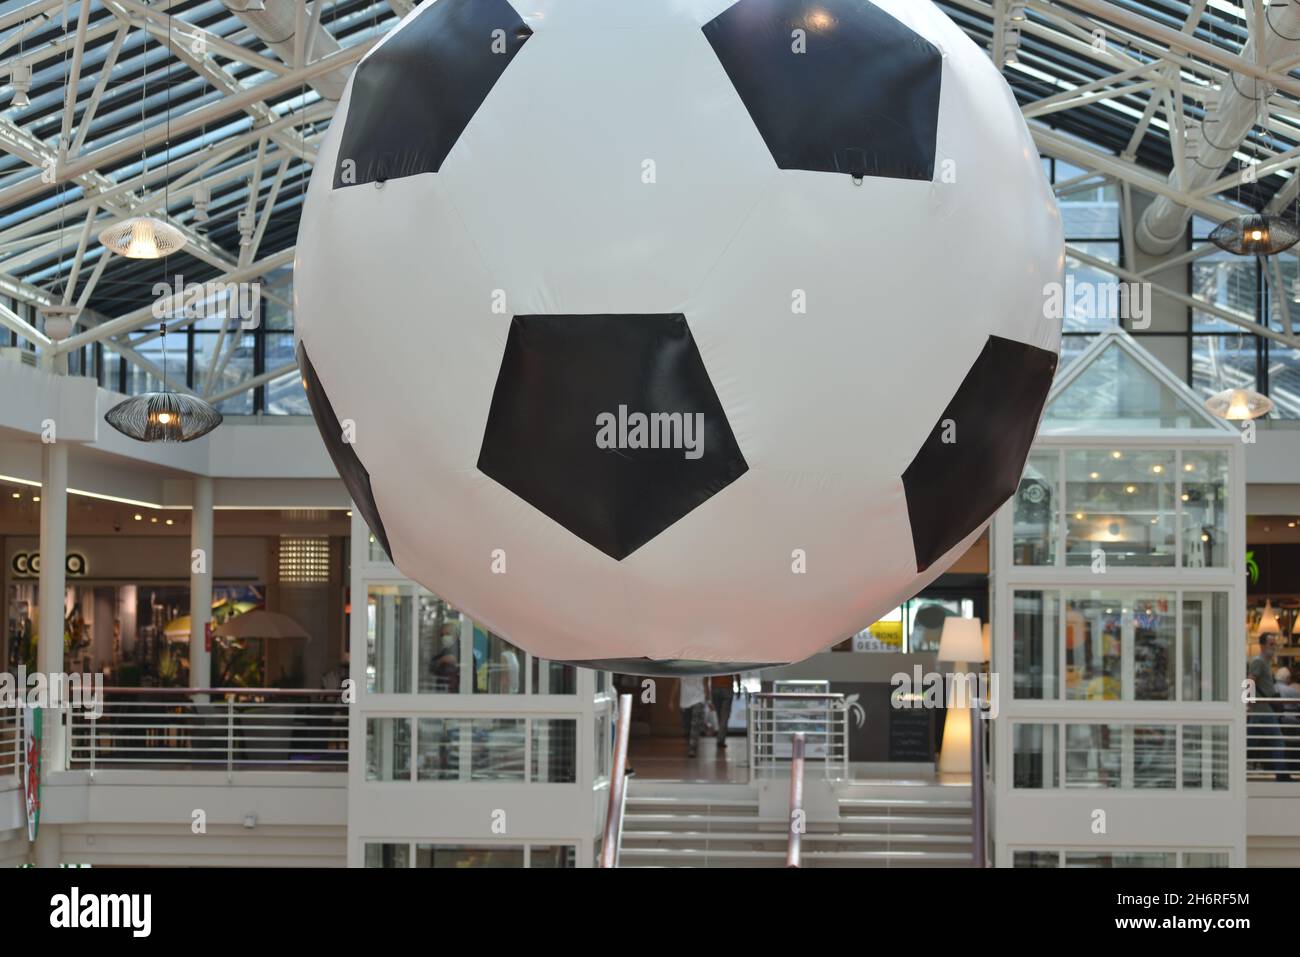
(1273, 739)
(11, 743)
(774, 719)
(220, 729)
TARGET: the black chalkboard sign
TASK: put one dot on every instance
(911, 734)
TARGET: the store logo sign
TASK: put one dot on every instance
(28, 564)
(1252, 568)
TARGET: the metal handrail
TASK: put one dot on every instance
(977, 821)
(795, 846)
(613, 834)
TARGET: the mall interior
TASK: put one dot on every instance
(275, 692)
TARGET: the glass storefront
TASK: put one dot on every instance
(1123, 508)
(410, 631)
(1124, 755)
(137, 635)
(451, 855)
(1118, 644)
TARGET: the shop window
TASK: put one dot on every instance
(1119, 646)
(555, 750)
(1036, 625)
(498, 665)
(553, 856)
(1120, 756)
(1205, 646)
(441, 629)
(439, 748)
(1035, 748)
(604, 746)
(388, 749)
(391, 611)
(554, 677)
(1205, 858)
(1122, 859)
(1120, 507)
(498, 749)
(1036, 859)
(1205, 757)
(1204, 499)
(463, 856)
(388, 855)
(1037, 511)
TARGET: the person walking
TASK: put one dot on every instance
(691, 701)
(723, 689)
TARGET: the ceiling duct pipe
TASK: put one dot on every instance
(276, 21)
(1227, 124)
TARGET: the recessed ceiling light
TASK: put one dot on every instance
(153, 519)
(139, 517)
(170, 522)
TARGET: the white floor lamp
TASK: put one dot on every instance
(962, 643)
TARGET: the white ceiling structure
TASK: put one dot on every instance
(139, 107)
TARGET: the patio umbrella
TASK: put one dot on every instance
(179, 628)
(262, 624)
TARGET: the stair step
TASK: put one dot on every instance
(910, 803)
(810, 837)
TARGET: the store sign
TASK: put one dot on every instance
(28, 564)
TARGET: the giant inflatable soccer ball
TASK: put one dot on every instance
(677, 335)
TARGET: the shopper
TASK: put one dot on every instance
(691, 700)
(723, 688)
(1263, 732)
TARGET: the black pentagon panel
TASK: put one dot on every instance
(671, 668)
(861, 97)
(414, 96)
(974, 457)
(355, 477)
(609, 425)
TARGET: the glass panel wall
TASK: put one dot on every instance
(1120, 645)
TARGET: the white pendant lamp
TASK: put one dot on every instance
(142, 237)
(1239, 405)
(1268, 624)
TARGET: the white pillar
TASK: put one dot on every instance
(53, 598)
(201, 557)
(53, 585)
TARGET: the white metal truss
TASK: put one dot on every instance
(1199, 109)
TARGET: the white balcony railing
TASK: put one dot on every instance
(775, 718)
(221, 729)
(1273, 739)
(11, 743)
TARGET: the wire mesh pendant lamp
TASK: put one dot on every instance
(163, 416)
(1256, 234)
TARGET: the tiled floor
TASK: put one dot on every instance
(665, 759)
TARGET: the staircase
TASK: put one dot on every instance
(880, 824)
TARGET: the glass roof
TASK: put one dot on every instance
(1114, 392)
